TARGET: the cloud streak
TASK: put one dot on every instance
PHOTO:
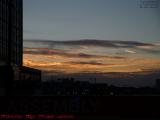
(102, 43)
(89, 63)
(41, 51)
(91, 56)
(73, 45)
(130, 51)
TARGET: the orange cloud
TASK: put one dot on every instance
(77, 65)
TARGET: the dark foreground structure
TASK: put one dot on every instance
(71, 87)
(12, 70)
(29, 81)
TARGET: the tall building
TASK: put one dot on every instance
(11, 48)
(11, 31)
(11, 42)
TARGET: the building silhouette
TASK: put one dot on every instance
(11, 31)
(11, 46)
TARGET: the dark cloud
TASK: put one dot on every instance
(102, 43)
(107, 43)
(41, 51)
(49, 47)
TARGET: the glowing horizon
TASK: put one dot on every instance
(94, 58)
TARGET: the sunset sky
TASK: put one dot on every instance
(91, 36)
(92, 56)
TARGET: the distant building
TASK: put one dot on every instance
(29, 74)
(11, 47)
(27, 82)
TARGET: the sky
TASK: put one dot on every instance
(106, 39)
(92, 56)
(91, 19)
(128, 63)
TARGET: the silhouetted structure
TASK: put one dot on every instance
(11, 46)
(84, 88)
(11, 31)
(32, 74)
(30, 79)
(6, 79)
